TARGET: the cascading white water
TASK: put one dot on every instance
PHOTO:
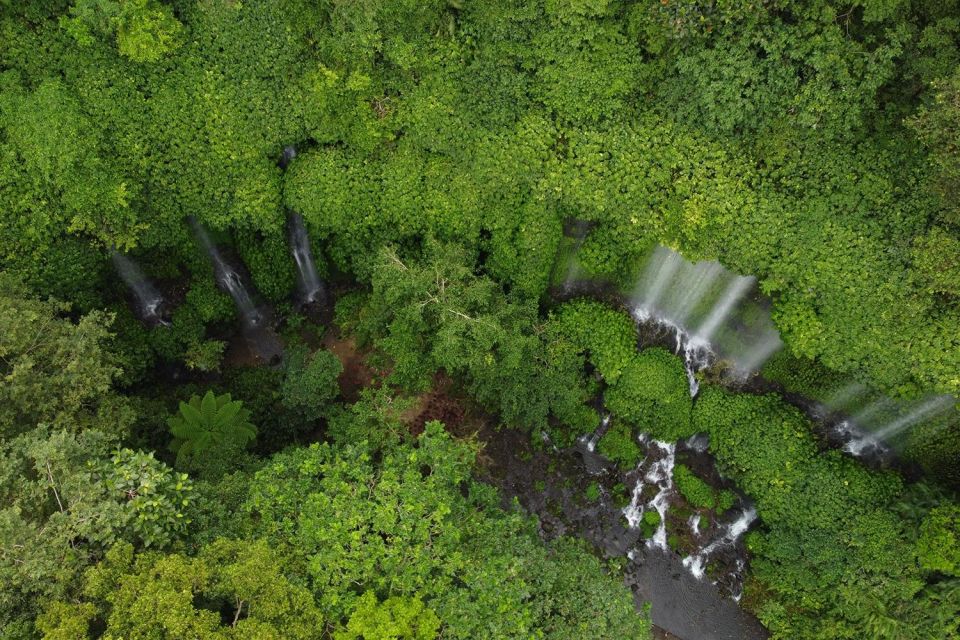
(147, 297)
(312, 288)
(696, 301)
(661, 270)
(229, 278)
(729, 536)
(698, 283)
(694, 522)
(590, 442)
(862, 441)
(659, 473)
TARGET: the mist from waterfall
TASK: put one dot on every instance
(312, 288)
(147, 297)
(874, 429)
(710, 310)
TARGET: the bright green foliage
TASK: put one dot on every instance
(652, 393)
(67, 497)
(593, 491)
(650, 522)
(214, 426)
(827, 522)
(151, 498)
(939, 544)
(441, 146)
(156, 596)
(145, 30)
(697, 492)
(54, 371)
(403, 529)
(619, 445)
(725, 500)
(607, 336)
(311, 381)
(396, 618)
(205, 356)
(373, 421)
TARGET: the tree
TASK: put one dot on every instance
(208, 431)
(55, 371)
(155, 595)
(311, 381)
(67, 498)
(416, 527)
(145, 30)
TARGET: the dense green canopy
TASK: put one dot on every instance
(442, 146)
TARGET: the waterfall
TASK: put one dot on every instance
(729, 536)
(229, 279)
(590, 442)
(736, 290)
(861, 442)
(148, 299)
(694, 524)
(312, 288)
(694, 302)
(659, 473)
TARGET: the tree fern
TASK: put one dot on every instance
(210, 423)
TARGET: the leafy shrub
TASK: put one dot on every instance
(619, 445)
(652, 393)
(697, 492)
(939, 544)
(209, 431)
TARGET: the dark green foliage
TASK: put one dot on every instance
(372, 422)
(310, 382)
(55, 372)
(619, 445)
(438, 314)
(697, 492)
(653, 394)
(208, 431)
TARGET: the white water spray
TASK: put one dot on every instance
(147, 297)
(659, 473)
(694, 302)
(728, 537)
(229, 278)
(312, 288)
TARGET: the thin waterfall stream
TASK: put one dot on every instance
(311, 287)
(149, 301)
(257, 330)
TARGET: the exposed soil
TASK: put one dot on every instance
(357, 374)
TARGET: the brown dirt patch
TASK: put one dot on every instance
(357, 374)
